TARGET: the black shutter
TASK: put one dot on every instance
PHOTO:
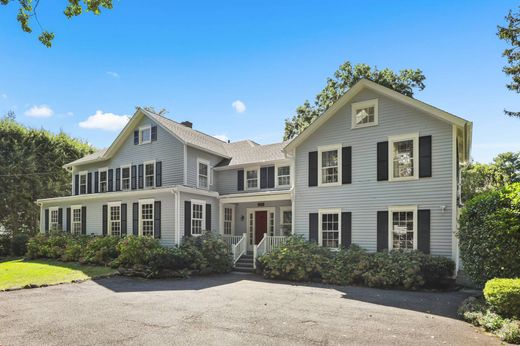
(240, 180)
(154, 133)
(158, 174)
(46, 220)
(123, 219)
(96, 182)
(118, 179)
(263, 178)
(208, 217)
(423, 231)
(382, 230)
(346, 165)
(140, 176)
(105, 219)
(135, 219)
(346, 229)
(157, 220)
(83, 220)
(67, 227)
(187, 218)
(270, 177)
(136, 137)
(110, 180)
(89, 182)
(382, 161)
(134, 177)
(313, 168)
(425, 156)
(76, 184)
(60, 219)
(313, 227)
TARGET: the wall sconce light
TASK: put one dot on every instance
(242, 218)
(443, 208)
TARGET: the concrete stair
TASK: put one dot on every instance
(245, 263)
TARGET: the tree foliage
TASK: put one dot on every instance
(28, 9)
(510, 34)
(481, 177)
(405, 81)
(31, 163)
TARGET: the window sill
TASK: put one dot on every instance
(403, 179)
(329, 184)
(363, 126)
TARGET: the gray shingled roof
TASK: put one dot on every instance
(244, 153)
(88, 158)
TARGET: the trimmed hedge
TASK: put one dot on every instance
(13, 245)
(503, 295)
(299, 260)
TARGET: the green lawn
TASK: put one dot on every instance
(18, 273)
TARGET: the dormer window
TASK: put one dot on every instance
(145, 134)
(365, 113)
(203, 177)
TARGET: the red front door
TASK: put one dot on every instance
(260, 225)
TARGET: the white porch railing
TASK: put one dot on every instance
(266, 245)
(231, 239)
(239, 248)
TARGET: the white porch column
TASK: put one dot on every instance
(221, 217)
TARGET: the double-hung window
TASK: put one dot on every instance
(198, 213)
(149, 174)
(145, 134)
(329, 163)
(364, 113)
(286, 220)
(146, 214)
(283, 174)
(228, 220)
(53, 219)
(114, 222)
(103, 180)
(329, 228)
(203, 176)
(125, 178)
(403, 157)
(76, 219)
(252, 178)
(402, 227)
(83, 182)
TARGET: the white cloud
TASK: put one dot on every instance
(222, 137)
(239, 106)
(4, 96)
(70, 114)
(105, 121)
(113, 74)
(41, 111)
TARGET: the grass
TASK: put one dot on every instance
(19, 273)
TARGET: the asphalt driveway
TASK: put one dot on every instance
(233, 309)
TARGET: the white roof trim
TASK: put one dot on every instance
(365, 83)
(256, 197)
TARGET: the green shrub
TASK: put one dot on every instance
(47, 246)
(19, 244)
(504, 296)
(436, 270)
(510, 332)
(216, 257)
(135, 251)
(348, 266)
(100, 250)
(490, 235)
(5, 245)
(394, 269)
(296, 260)
(73, 251)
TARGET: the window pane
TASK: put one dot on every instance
(330, 230)
(147, 219)
(365, 115)
(145, 135)
(402, 230)
(403, 165)
(203, 169)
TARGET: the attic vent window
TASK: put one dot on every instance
(364, 113)
(145, 135)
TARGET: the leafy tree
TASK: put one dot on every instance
(344, 78)
(481, 177)
(510, 34)
(28, 9)
(31, 163)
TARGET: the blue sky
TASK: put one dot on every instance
(197, 58)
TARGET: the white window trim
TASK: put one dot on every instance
(129, 177)
(72, 208)
(147, 127)
(141, 202)
(104, 169)
(391, 210)
(321, 149)
(50, 218)
(113, 204)
(208, 177)
(282, 210)
(320, 225)
(276, 175)
(144, 174)
(391, 140)
(232, 207)
(257, 169)
(203, 225)
(365, 104)
(83, 173)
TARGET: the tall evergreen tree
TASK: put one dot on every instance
(510, 34)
